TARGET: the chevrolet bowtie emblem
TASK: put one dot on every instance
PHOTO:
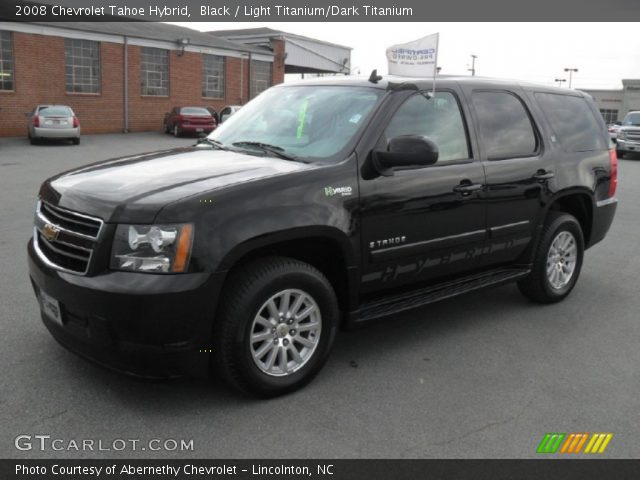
(50, 232)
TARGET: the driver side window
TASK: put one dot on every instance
(438, 118)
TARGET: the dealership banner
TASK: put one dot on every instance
(414, 59)
(325, 469)
(318, 10)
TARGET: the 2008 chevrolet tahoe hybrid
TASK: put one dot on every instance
(320, 204)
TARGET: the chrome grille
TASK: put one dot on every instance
(633, 135)
(64, 239)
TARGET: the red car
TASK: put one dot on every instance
(189, 120)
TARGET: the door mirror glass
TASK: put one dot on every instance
(406, 151)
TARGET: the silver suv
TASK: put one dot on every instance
(628, 140)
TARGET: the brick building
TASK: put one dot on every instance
(124, 76)
(615, 104)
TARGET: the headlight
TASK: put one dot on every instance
(621, 135)
(152, 248)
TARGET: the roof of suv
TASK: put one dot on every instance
(390, 82)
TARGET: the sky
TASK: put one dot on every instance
(535, 52)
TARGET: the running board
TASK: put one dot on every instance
(424, 296)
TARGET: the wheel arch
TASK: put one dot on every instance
(577, 202)
(326, 248)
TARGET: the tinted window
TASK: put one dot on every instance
(505, 127)
(572, 121)
(438, 118)
(194, 111)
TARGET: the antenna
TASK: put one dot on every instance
(374, 77)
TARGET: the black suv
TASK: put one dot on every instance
(320, 204)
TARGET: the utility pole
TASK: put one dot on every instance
(560, 81)
(571, 71)
(473, 65)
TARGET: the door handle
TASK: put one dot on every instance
(541, 175)
(467, 188)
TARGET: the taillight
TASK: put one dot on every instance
(76, 122)
(613, 163)
(36, 121)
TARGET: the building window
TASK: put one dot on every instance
(82, 66)
(260, 77)
(212, 76)
(609, 115)
(6, 61)
(154, 71)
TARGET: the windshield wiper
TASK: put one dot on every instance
(214, 143)
(272, 149)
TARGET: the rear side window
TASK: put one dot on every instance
(505, 127)
(573, 122)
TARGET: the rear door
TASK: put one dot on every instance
(517, 167)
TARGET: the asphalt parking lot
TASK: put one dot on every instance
(481, 376)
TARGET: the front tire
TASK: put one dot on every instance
(557, 262)
(176, 131)
(275, 327)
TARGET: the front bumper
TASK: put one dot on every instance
(155, 326)
(627, 146)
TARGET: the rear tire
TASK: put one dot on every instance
(558, 260)
(32, 140)
(270, 308)
(76, 141)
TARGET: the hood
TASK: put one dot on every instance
(135, 188)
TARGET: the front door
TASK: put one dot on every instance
(427, 222)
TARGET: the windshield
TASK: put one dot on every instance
(306, 122)
(632, 119)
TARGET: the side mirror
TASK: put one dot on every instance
(405, 151)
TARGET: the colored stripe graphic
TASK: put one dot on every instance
(574, 443)
(598, 443)
(569, 443)
(550, 442)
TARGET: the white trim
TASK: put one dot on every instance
(608, 201)
(112, 38)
